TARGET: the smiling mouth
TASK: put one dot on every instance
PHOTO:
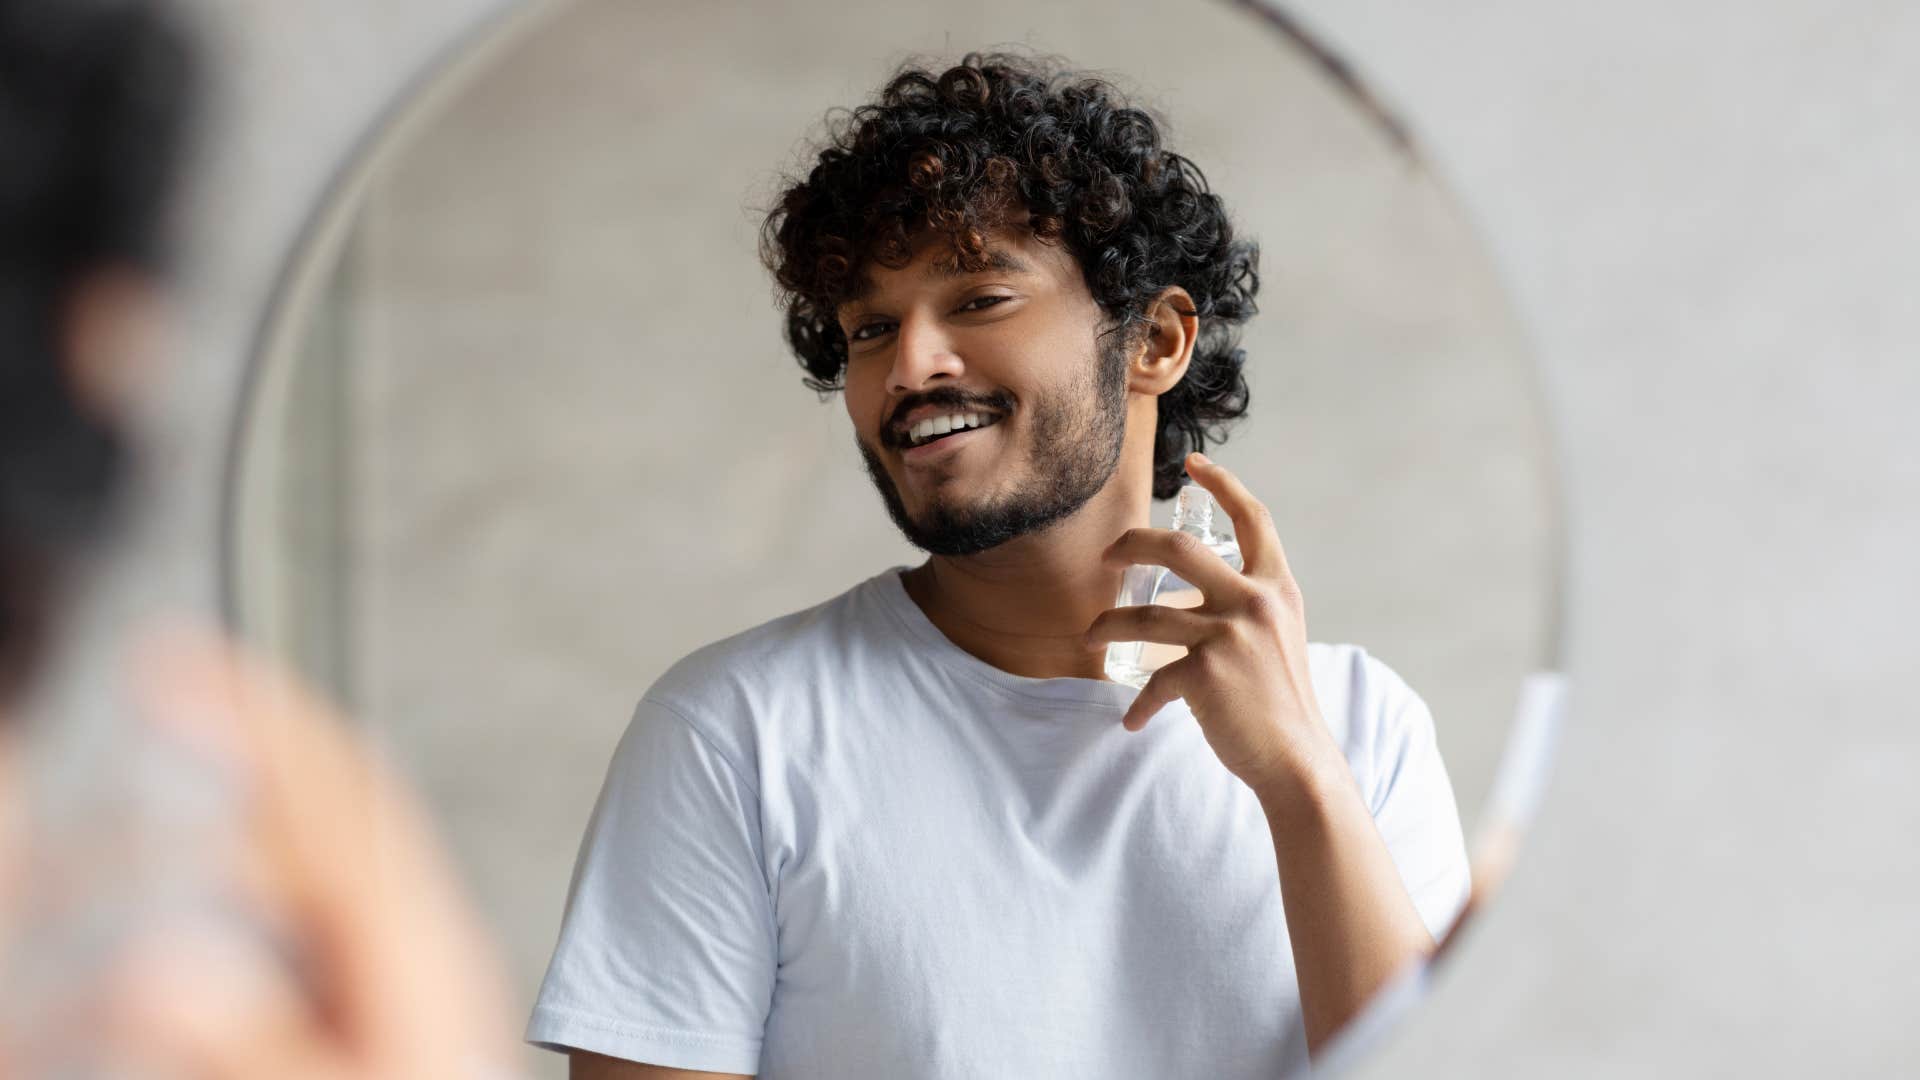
(932, 430)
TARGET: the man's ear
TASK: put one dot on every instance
(1160, 361)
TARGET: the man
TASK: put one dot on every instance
(914, 831)
(98, 975)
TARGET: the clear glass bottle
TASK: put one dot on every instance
(1134, 662)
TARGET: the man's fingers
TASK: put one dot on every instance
(1150, 622)
(1184, 554)
(1253, 527)
(1162, 690)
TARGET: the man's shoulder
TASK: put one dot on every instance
(1363, 699)
(741, 670)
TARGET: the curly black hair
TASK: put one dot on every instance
(1001, 138)
(97, 99)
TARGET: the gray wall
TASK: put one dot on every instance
(1704, 211)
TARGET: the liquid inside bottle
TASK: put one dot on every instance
(1134, 662)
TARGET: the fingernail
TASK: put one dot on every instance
(1202, 458)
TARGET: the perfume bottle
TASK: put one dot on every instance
(1134, 662)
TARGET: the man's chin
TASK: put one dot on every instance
(952, 528)
(939, 518)
(956, 544)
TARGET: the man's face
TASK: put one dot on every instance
(1011, 349)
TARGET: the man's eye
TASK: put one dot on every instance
(860, 333)
(995, 297)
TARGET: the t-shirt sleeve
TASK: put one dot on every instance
(667, 949)
(1412, 802)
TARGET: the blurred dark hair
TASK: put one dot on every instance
(968, 149)
(96, 101)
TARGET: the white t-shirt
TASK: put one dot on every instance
(839, 846)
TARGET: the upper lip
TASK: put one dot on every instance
(902, 425)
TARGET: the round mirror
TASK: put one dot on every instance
(526, 431)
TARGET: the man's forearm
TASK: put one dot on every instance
(1350, 919)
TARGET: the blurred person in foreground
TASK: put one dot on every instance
(340, 945)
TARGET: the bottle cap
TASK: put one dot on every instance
(1193, 507)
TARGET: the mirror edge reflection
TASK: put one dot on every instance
(247, 498)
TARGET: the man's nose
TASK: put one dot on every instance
(922, 354)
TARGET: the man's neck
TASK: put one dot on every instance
(1023, 606)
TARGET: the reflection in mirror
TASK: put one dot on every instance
(531, 479)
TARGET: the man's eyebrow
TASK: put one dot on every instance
(1003, 261)
(997, 259)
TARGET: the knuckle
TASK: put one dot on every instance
(1266, 607)
(1203, 665)
(1186, 544)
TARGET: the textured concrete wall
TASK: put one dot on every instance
(1705, 212)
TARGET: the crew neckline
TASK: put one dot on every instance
(1064, 691)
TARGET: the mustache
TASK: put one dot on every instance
(894, 433)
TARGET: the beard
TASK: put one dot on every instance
(1077, 434)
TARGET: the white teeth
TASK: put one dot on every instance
(942, 425)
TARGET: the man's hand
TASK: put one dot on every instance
(1245, 676)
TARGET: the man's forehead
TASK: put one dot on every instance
(945, 265)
